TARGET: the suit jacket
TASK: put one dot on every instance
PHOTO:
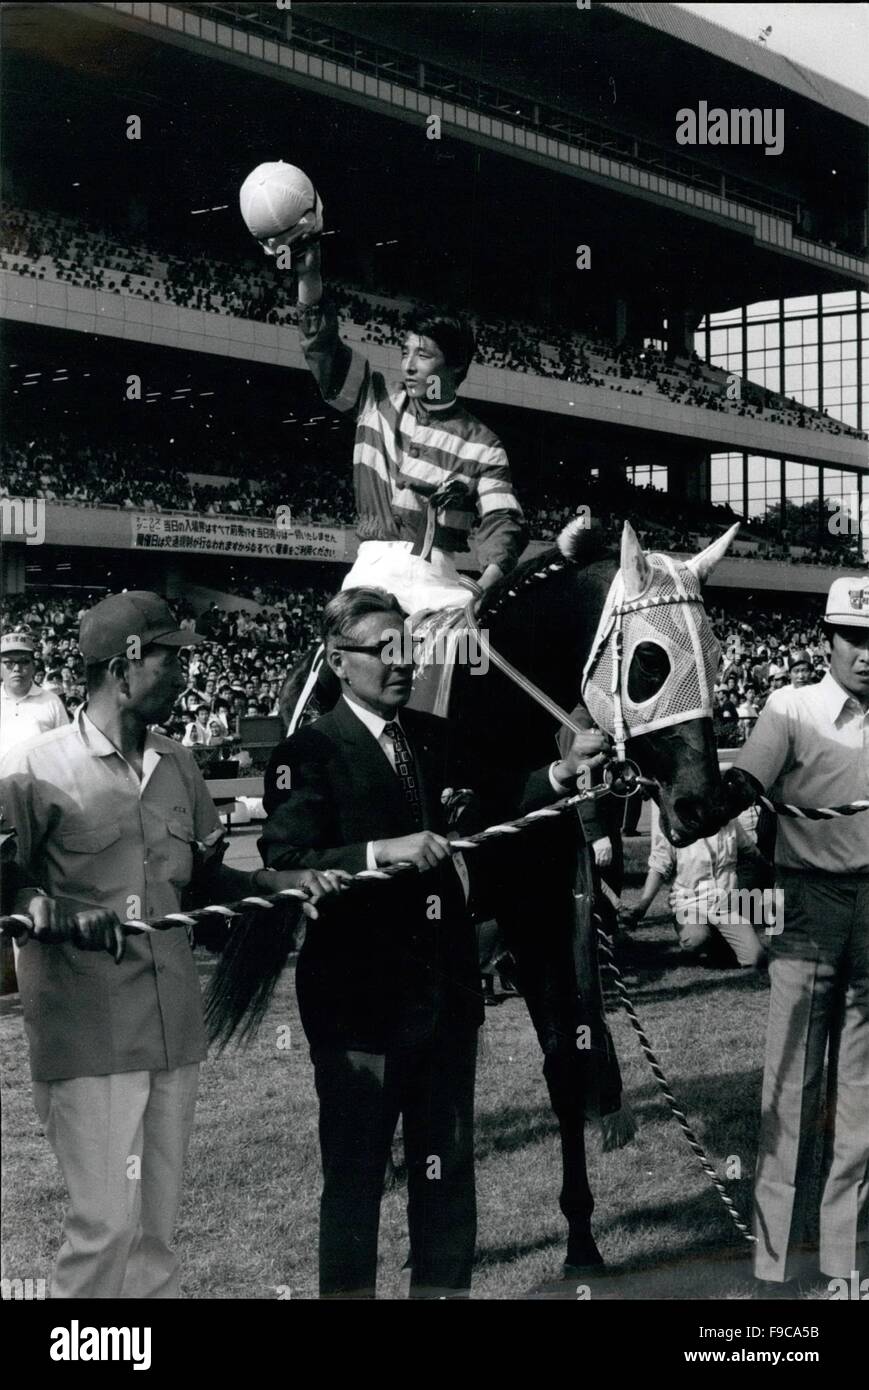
(390, 964)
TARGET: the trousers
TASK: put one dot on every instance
(819, 1004)
(361, 1096)
(417, 584)
(121, 1141)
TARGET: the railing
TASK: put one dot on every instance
(376, 60)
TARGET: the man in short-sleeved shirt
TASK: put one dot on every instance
(811, 748)
(26, 709)
(110, 819)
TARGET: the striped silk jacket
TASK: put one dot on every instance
(405, 450)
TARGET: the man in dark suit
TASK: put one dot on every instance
(388, 989)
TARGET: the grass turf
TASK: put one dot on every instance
(248, 1224)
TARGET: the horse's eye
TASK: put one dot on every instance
(650, 667)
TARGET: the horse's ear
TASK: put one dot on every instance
(636, 570)
(703, 564)
(573, 538)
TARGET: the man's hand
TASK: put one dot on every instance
(630, 916)
(89, 931)
(591, 748)
(603, 852)
(425, 849)
(318, 884)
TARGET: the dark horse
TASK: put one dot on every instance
(543, 619)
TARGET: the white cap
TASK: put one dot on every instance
(17, 642)
(848, 602)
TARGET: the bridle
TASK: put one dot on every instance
(613, 634)
(623, 775)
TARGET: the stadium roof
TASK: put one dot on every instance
(762, 61)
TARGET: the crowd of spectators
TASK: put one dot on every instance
(317, 487)
(47, 246)
(137, 476)
(239, 672)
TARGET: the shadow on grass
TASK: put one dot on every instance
(723, 1111)
(514, 1127)
(491, 1256)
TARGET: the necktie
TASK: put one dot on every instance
(404, 767)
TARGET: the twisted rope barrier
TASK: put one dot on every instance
(19, 925)
(605, 949)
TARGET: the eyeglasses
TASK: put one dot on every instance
(379, 648)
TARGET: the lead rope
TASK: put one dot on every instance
(609, 963)
(19, 925)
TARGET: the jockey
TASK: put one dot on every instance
(425, 470)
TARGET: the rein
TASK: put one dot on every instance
(533, 691)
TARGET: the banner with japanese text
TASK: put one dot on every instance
(221, 535)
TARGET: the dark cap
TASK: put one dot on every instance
(106, 629)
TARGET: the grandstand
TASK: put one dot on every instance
(157, 399)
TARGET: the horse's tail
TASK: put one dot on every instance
(320, 697)
(257, 950)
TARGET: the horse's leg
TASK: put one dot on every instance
(541, 937)
(567, 1092)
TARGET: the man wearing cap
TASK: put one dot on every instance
(26, 709)
(114, 822)
(811, 748)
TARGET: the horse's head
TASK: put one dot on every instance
(650, 677)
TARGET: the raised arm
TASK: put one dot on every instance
(342, 374)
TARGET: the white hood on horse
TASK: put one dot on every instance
(654, 598)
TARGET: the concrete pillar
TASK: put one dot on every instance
(12, 561)
(688, 477)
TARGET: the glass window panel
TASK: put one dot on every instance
(849, 373)
(755, 469)
(849, 350)
(810, 330)
(793, 332)
(755, 335)
(717, 341)
(832, 374)
(771, 334)
(800, 304)
(832, 329)
(843, 299)
(849, 326)
(767, 309)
